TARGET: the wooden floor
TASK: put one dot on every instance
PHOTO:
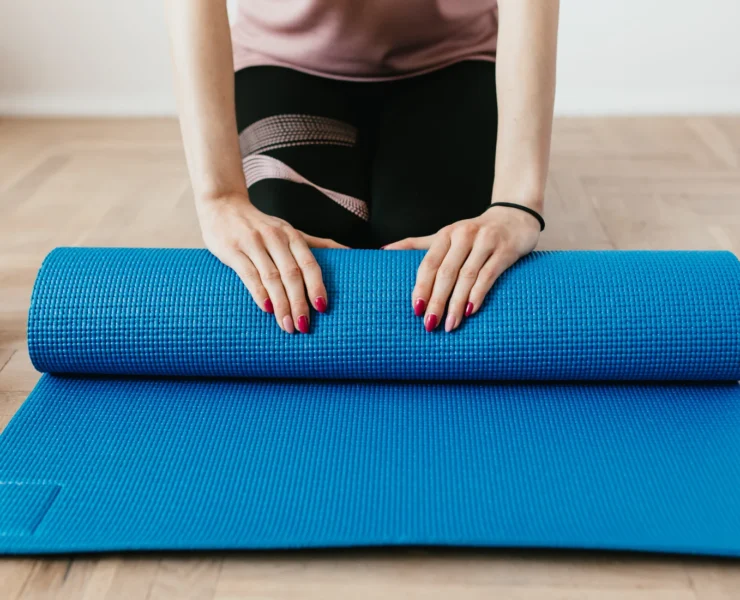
(615, 183)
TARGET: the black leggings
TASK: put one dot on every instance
(366, 163)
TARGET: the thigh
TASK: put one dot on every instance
(434, 151)
(301, 151)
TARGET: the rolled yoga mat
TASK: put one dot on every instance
(591, 403)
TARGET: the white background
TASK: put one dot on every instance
(110, 57)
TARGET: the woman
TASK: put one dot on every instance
(367, 123)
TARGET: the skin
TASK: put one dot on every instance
(274, 260)
(465, 259)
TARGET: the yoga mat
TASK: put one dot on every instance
(591, 403)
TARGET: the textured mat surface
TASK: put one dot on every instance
(141, 445)
(554, 316)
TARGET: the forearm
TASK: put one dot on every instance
(525, 80)
(204, 82)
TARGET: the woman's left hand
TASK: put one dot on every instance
(464, 260)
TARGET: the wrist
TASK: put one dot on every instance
(206, 206)
(522, 211)
(206, 200)
(534, 201)
(526, 193)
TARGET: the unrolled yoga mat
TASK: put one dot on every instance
(591, 403)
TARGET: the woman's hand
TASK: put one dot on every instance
(272, 258)
(465, 259)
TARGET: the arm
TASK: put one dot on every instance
(200, 43)
(465, 259)
(525, 80)
(271, 258)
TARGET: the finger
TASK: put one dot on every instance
(291, 276)
(427, 271)
(317, 242)
(459, 304)
(272, 280)
(311, 273)
(445, 280)
(417, 243)
(489, 273)
(250, 277)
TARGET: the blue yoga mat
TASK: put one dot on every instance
(591, 403)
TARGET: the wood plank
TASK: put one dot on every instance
(715, 581)
(46, 579)
(10, 402)
(99, 579)
(453, 569)
(133, 578)
(310, 592)
(14, 574)
(194, 579)
(18, 375)
(5, 354)
(76, 579)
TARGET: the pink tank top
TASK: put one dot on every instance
(363, 39)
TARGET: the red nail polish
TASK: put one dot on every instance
(303, 324)
(431, 322)
(320, 304)
(469, 309)
(268, 306)
(419, 307)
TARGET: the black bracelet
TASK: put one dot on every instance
(526, 209)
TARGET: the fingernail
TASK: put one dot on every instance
(288, 324)
(450, 323)
(469, 309)
(268, 306)
(419, 307)
(320, 304)
(431, 322)
(303, 324)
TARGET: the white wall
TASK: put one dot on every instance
(649, 56)
(615, 56)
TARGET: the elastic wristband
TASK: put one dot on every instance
(526, 209)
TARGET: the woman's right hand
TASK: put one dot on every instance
(272, 258)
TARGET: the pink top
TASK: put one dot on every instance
(363, 39)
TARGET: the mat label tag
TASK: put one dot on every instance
(23, 506)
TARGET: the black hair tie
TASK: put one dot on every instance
(526, 209)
